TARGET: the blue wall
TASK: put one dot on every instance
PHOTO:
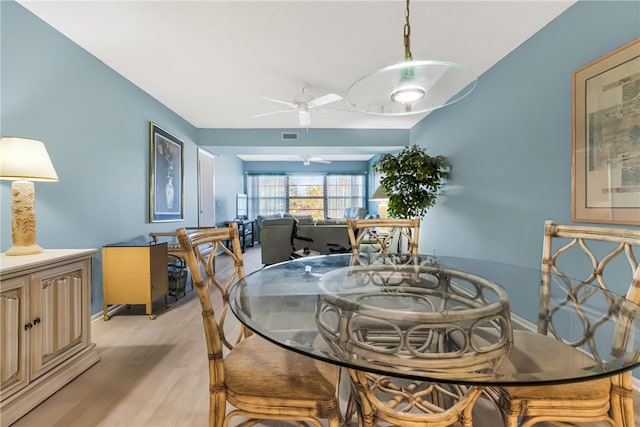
(510, 141)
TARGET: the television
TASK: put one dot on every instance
(242, 206)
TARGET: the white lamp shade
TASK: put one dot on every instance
(27, 159)
(380, 194)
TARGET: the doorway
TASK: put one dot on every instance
(206, 189)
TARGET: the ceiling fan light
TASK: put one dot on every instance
(304, 118)
(407, 94)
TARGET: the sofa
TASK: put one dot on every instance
(275, 234)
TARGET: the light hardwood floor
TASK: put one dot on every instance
(154, 372)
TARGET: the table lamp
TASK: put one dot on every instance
(23, 161)
(381, 195)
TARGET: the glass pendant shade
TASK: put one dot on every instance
(411, 87)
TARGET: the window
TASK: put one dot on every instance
(321, 196)
(306, 196)
(344, 191)
(267, 194)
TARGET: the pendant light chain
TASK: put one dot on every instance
(407, 35)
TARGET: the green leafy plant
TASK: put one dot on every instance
(412, 179)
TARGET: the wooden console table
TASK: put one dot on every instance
(45, 311)
(245, 231)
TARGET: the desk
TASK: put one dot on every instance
(245, 231)
(290, 304)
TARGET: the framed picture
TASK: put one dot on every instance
(606, 138)
(166, 182)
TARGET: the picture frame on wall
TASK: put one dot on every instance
(166, 180)
(606, 138)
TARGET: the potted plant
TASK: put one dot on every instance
(412, 179)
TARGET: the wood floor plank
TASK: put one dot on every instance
(153, 373)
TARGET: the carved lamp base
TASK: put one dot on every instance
(24, 250)
(23, 219)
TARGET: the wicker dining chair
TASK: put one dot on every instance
(383, 235)
(607, 399)
(398, 401)
(259, 379)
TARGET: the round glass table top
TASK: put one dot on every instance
(441, 318)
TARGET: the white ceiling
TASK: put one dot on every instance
(211, 61)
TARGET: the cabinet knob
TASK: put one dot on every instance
(36, 320)
(28, 326)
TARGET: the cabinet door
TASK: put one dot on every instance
(13, 359)
(59, 325)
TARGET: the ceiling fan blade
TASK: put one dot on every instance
(272, 112)
(304, 118)
(326, 99)
(307, 159)
(280, 101)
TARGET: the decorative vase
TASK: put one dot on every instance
(168, 190)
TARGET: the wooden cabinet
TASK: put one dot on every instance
(134, 273)
(45, 331)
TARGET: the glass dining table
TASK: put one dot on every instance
(444, 319)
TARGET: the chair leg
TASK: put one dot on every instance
(361, 406)
(351, 408)
(622, 400)
(511, 421)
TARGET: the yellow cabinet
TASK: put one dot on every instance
(134, 273)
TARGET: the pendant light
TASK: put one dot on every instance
(411, 87)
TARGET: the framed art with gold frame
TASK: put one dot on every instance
(606, 138)
(166, 179)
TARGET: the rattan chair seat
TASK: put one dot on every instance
(593, 389)
(276, 372)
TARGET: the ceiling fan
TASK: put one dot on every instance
(303, 104)
(307, 160)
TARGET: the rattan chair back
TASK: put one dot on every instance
(384, 235)
(398, 401)
(585, 253)
(259, 379)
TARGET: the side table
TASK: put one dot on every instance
(134, 273)
(245, 231)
